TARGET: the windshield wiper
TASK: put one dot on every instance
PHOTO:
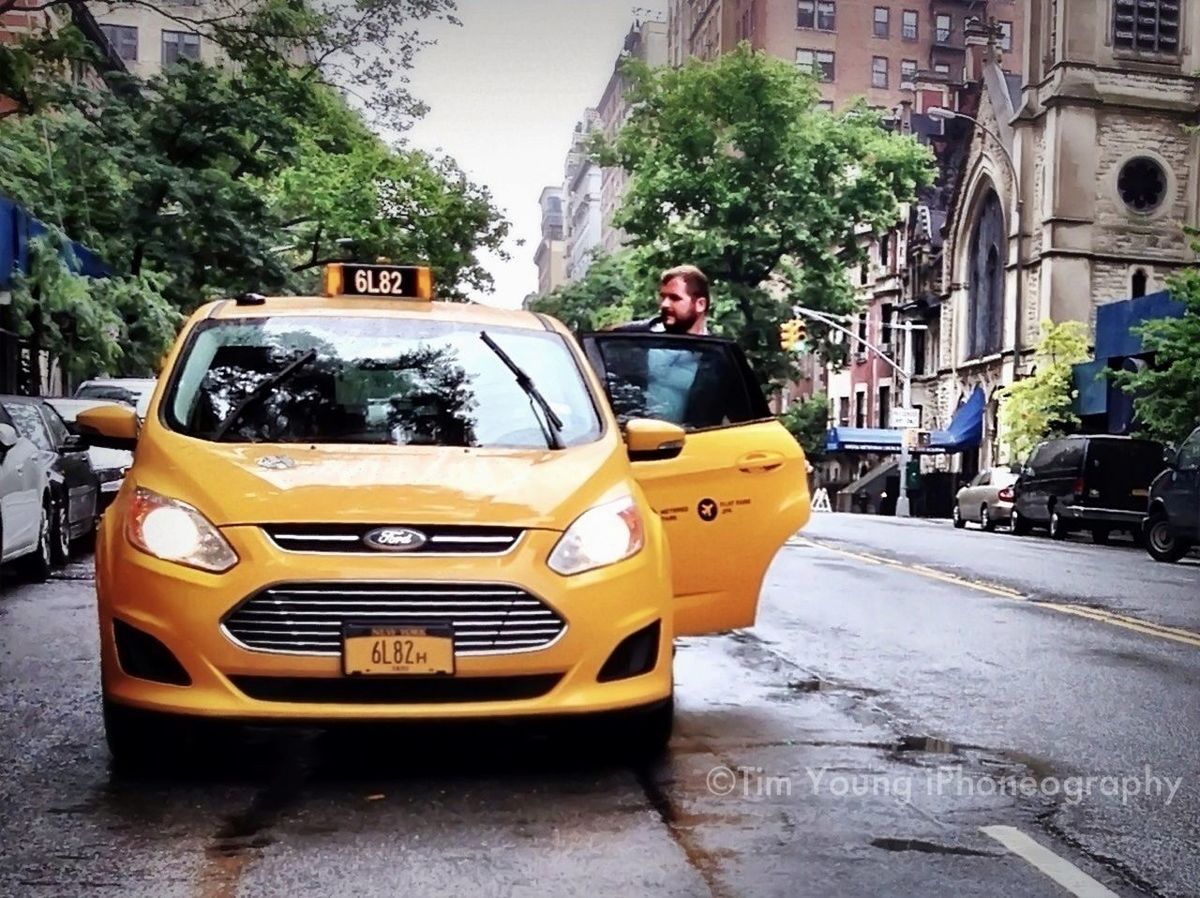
(262, 390)
(553, 431)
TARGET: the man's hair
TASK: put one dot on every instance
(693, 279)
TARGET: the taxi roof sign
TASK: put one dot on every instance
(395, 281)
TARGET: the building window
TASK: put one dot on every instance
(879, 71)
(860, 409)
(825, 105)
(1147, 26)
(885, 246)
(124, 39)
(820, 60)
(985, 280)
(908, 25)
(942, 68)
(844, 411)
(883, 21)
(886, 312)
(885, 406)
(177, 45)
(1142, 184)
(918, 352)
(1138, 286)
(944, 27)
(818, 14)
(908, 71)
(1006, 36)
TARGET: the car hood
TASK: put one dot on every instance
(261, 484)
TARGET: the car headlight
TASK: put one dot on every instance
(599, 537)
(174, 531)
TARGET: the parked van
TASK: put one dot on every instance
(1173, 519)
(1099, 483)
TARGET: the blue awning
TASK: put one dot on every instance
(965, 432)
(18, 227)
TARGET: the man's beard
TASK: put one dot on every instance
(678, 326)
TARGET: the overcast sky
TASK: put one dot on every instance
(505, 91)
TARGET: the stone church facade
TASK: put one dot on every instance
(1075, 190)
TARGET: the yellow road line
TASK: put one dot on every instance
(1135, 624)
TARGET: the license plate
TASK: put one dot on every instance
(1140, 493)
(405, 650)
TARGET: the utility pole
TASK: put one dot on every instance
(902, 504)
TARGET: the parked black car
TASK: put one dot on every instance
(1094, 482)
(1173, 513)
(74, 486)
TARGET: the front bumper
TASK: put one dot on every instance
(183, 609)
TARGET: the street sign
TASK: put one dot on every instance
(906, 418)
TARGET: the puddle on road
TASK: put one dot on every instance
(930, 848)
(929, 745)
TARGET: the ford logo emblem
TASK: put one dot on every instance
(395, 539)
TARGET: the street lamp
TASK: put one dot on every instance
(941, 114)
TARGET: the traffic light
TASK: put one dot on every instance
(790, 334)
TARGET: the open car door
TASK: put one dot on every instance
(738, 489)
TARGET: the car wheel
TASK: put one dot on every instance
(957, 517)
(40, 564)
(1018, 524)
(60, 535)
(1058, 530)
(985, 519)
(1101, 536)
(1161, 542)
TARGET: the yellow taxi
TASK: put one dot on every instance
(369, 505)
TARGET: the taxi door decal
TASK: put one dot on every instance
(738, 489)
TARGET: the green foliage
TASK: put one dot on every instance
(1039, 407)
(210, 181)
(808, 422)
(1167, 395)
(616, 288)
(734, 168)
(117, 325)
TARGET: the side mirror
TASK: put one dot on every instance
(110, 426)
(651, 440)
(75, 442)
(8, 436)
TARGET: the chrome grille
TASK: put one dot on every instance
(307, 618)
(444, 539)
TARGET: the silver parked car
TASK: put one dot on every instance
(987, 499)
(25, 506)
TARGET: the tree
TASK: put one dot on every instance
(808, 421)
(1167, 394)
(616, 288)
(1039, 407)
(231, 179)
(734, 168)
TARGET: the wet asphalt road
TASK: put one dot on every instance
(905, 688)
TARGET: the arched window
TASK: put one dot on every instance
(985, 281)
(1138, 287)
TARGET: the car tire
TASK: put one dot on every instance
(957, 517)
(1101, 536)
(60, 535)
(1018, 524)
(38, 565)
(985, 519)
(1161, 543)
(1058, 530)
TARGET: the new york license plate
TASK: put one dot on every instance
(374, 650)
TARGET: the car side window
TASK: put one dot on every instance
(693, 382)
(1189, 453)
(58, 428)
(1067, 455)
(29, 424)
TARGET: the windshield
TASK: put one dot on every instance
(371, 380)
